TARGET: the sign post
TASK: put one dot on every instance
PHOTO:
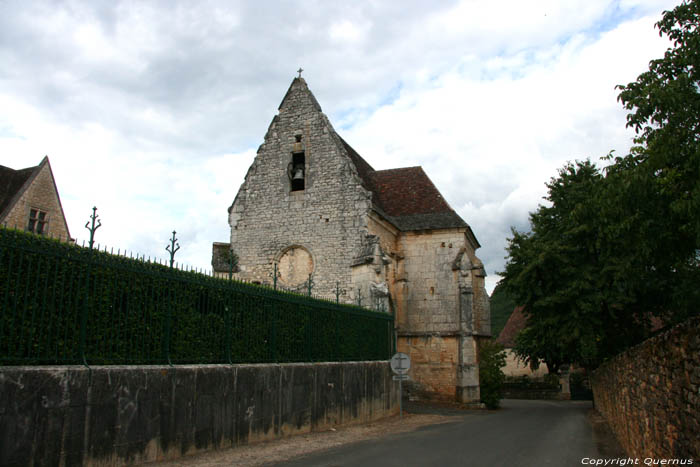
(400, 364)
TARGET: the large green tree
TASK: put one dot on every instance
(664, 105)
(615, 254)
(557, 272)
(658, 183)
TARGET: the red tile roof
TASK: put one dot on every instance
(405, 197)
(407, 191)
(514, 325)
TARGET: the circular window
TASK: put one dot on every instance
(294, 266)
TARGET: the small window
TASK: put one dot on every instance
(298, 168)
(38, 222)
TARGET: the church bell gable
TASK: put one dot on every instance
(303, 189)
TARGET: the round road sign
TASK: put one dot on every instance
(400, 363)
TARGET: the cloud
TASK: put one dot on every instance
(153, 111)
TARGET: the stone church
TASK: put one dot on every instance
(312, 206)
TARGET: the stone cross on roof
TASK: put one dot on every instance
(299, 71)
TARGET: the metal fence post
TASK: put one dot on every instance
(228, 312)
(168, 323)
(172, 249)
(96, 224)
(273, 337)
(310, 284)
(338, 292)
(94, 227)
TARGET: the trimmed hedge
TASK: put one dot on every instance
(62, 304)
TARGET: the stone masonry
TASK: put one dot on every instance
(31, 188)
(650, 395)
(312, 207)
(324, 219)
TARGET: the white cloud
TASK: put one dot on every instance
(346, 31)
(152, 111)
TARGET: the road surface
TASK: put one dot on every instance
(522, 433)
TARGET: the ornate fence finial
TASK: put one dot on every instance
(379, 304)
(94, 227)
(275, 275)
(172, 248)
(309, 284)
(338, 292)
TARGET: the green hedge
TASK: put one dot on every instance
(63, 304)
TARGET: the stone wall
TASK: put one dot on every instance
(650, 395)
(443, 312)
(430, 294)
(327, 219)
(120, 415)
(41, 194)
(434, 363)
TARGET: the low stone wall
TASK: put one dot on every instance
(650, 395)
(115, 415)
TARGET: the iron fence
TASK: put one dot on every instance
(64, 304)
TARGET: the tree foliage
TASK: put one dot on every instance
(491, 359)
(502, 306)
(616, 252)
(664, 105)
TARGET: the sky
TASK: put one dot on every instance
(153, 111)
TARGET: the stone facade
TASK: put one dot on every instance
(315, 209)
(650, 395)
(324, 218)
(29, 200)
(516, 367)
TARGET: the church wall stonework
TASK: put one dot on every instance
(433, 363)
(386, 238)
(326, 218)
(440, 315)
(431, 289)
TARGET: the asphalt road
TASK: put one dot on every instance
(522, 433)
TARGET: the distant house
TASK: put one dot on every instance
(29, 201)
(515, 367)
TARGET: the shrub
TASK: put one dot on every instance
(552, 379)
(492, 358)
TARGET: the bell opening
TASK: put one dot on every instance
(298, 169)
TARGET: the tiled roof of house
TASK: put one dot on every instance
(12, 183)
(514, 325)
(406, 196)
(411, 200)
